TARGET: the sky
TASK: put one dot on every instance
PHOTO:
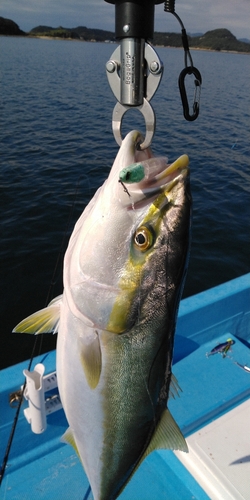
(198, 16)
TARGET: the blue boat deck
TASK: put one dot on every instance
(40, 466)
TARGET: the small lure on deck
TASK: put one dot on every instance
(222, 348)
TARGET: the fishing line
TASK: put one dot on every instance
(58, 260)
(86, 496)
(52, 283)
(12, 432)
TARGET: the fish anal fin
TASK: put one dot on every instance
(91, 358)
(44, 321)
(167, 435)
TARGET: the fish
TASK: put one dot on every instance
(124, 272)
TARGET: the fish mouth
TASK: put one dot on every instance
(149, 176)
(166, 174)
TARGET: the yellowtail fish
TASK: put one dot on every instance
(124, 271)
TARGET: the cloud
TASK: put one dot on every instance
(202, 16)
(197, 15)
(69, 13)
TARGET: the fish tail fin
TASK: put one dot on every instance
(44, 321)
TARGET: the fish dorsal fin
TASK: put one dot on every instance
(167, 435)
(44, 321)
(174, 389)
(91, 358)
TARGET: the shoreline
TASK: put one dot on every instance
(44, 37)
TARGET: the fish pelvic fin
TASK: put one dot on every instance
(91, 358)
(44, 321)
(68, 438)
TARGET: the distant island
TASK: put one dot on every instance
(218, 39)
(8, 27)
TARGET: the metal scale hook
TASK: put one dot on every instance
(121, 73)
(134, 70)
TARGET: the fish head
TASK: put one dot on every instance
(132, 237)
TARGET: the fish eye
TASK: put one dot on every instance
(143, 238)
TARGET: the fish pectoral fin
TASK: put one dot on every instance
(91, 358)
(44, 321)
(167, 435)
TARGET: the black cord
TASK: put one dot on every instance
(169, 6)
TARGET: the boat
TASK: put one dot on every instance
(213, 412)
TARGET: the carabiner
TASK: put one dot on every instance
(190, 70)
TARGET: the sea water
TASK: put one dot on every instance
(57, 148)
